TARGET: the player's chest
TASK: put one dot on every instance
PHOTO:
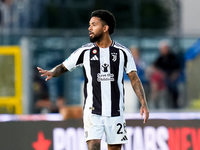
(104, 58)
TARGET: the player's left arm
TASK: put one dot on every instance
(138, 88)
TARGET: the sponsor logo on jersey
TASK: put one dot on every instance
(124, 138)
(105, 77)
(105, 67)
(94, 58)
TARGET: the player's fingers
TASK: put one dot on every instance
(48, 78)
(141, 112)
(42, 71)
(146, 117)
(43, 75)
(39, 68)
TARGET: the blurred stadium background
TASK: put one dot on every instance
(45, 32)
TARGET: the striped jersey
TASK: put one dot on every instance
(103, 70)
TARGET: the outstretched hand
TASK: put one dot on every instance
(144, 110)
(45, 73)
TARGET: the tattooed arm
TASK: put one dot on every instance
(55, 72)
(138, 88)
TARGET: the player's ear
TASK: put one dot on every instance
(105, 28)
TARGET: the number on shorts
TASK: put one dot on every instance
(120, 127)
(125, 127)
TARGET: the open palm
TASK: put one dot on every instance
(45, 73)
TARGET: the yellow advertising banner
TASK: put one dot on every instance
(10, 79)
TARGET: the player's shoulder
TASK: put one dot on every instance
(83, 48)
(88, 45)
(120, 46)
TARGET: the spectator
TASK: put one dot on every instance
(5, 13)
(40, 94)
(169, 63)
(157, 97)
(141, 67)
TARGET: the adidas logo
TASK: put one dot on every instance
(94, 58)
(124, 138)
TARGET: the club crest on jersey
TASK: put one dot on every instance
(114, 56)
(105, 67)
(94, 51)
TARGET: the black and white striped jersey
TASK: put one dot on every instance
(103, 69)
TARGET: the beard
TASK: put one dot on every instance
(96, 38)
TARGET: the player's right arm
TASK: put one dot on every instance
(55, 72)
(73, 61)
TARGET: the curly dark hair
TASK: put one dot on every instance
(107, 17)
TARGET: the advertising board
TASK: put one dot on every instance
(156, 134)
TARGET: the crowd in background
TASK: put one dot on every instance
(161, 78)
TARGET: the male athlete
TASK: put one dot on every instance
(104, 62)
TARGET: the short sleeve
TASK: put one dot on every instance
(130, 63)
(74, 60)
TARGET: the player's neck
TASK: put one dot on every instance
(105, 42)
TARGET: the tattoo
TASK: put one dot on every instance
(93, 145)
(58, 70)
(138, 88)
(96, 146)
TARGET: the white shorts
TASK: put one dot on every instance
(113, 127)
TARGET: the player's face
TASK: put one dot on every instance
(95, 29)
